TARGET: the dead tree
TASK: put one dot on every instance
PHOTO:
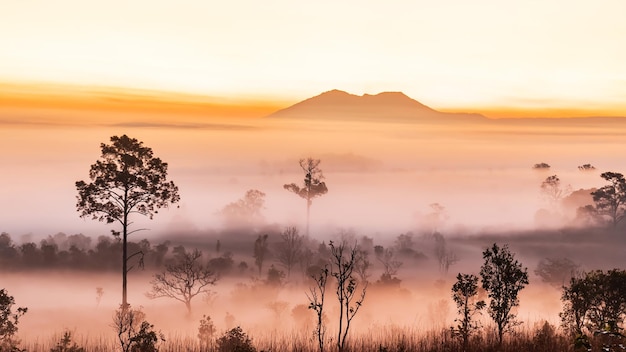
(343, 261)
(316, 298)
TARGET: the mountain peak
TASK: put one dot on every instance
(340, 105)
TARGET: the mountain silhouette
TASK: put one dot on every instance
(383, 107)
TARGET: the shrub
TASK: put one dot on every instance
(235, 340)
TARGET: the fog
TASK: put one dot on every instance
(382, 179)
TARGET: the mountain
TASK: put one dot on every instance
(383, 107)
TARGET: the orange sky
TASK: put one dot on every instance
(528, 57)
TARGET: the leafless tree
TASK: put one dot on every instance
(316, 296)
(184, 279)
(553, 191)
(313, 185)
(343, 260)
(289, 250)
(445, 257)
(387, 258)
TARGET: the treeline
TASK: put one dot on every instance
(77, 252)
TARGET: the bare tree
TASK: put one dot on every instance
(313, 185)
(387, 258)
(260, 251)
(184, 279)
(343, 260)
(289, 250)
(445, 257)
(316, 296)
(126, 180)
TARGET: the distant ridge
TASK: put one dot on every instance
(383, 107)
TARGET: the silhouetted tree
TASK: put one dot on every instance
(260, 251)
(9, 321)
(313, 185)
(134, 333)
(343, 260)
(387, 258)
(289, 249)
(126, 180)
(586, 167)
(184, 279)
(611, 199)
(597, 300)
(316, 296)
(541, 166)
(502, 276)
(246, 211)
(464, 292)
(235, 340)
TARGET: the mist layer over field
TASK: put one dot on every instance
(382, 179)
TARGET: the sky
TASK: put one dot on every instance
(521, 57)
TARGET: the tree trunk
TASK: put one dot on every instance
(124, 265)
(308, 212)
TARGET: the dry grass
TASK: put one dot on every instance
(375, 338)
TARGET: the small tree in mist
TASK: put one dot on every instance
(445, 257)
(343, 259)
(206, 331)
(313, 185)
(503, 277)
(184, 279)
(464, 293)
(235, 340)
(260, 251)
(316, 296)
(246, 211)
(134, 333)
(289, 249)
(9, 321)
(556, 271)
(553, 191)
(126, 180)
(387, 258)
(99, 294)
(611, 199)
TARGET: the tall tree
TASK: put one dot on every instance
(126, 180)
(503, 277)
(313, 185)
(260, 251)
(611, 199)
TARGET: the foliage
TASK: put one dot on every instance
(611, 199)
(313, 185)
(586, 167)
(541, 166)
(126, 180)
(556, 271)
(503, 278)
(184, 279)
(245, 211)
(464, 293)
(596, 301)
(65, 344)
(134, 333)
(9, 321)
(235, 340)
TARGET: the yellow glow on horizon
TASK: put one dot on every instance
(448, 55)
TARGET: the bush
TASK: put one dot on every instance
(235, 340)
(66, 344)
